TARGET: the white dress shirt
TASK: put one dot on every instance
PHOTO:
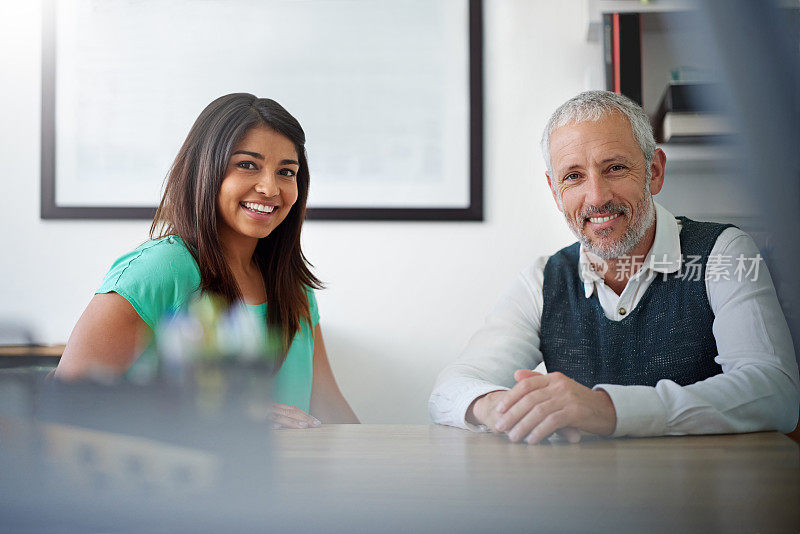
(758, 386)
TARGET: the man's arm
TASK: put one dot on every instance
(509, 340)
(758, 389)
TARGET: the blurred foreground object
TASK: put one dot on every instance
(180, 440)
(759, 47)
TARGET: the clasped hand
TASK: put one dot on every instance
(539, 405)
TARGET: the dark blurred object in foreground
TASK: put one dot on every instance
(135, 458)
(759, 47)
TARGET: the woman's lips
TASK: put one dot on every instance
(258, 215)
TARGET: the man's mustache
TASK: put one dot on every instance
(608, 207)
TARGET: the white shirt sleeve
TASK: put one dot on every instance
(509, 340)
(758, 387)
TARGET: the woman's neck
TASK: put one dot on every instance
(238, 251)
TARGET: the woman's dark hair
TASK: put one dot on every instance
(188, 209)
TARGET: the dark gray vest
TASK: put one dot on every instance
(668, 334)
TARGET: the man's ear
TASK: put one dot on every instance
(657, 168)
(553, 191)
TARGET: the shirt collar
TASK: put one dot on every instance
(664, 255)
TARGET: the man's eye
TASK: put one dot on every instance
(287, 172)
(617, 168)
(572, 176)
(247, 165)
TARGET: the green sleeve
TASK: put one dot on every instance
(157, 278)
(312, 307)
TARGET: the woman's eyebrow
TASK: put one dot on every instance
(261, 157)
(248, 153)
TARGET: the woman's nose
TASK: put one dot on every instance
(267, 185)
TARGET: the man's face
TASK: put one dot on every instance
(600, 182)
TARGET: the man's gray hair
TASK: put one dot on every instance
(591, 106)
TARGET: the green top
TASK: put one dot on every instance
(161, 277)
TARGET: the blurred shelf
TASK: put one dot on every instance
(596, 8)
(32, 350)
(700, 158)
(19, 356)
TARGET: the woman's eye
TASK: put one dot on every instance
(247, 165)
(287, 172)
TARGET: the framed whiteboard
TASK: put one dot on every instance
(388, 92)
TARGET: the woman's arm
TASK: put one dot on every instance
(327, 402)
(107, 338)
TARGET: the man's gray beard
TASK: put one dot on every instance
(634, 233)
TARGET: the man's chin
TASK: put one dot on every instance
(601, 244)
(605, 250)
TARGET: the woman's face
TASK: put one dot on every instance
(260, 185)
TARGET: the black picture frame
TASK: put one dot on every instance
(50, 210)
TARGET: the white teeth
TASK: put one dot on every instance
(602, 219)
(262, 208)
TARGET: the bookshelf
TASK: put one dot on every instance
(671, 40)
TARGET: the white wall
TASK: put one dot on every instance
(403, 298)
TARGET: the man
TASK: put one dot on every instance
(650, 325)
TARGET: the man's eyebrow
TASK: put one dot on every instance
(248, 153)
(604, 161)
(571, 168)
(616, 158)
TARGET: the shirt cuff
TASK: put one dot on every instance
(640, 411)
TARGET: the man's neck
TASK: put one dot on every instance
(621, 269)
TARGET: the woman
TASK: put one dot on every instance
(229, 223)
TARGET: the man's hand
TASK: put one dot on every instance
(542, 404)
(483, 410)
(571, 434)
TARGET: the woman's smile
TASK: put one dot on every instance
(259, 211)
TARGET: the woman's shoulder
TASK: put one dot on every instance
(165, 256)
(157, 276)
(169, 248)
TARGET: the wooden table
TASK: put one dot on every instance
(401, 478)
(433, 479)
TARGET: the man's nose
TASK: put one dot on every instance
(598, 190)
(267, 185)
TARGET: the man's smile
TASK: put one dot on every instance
(598, 220)
(603, 223)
